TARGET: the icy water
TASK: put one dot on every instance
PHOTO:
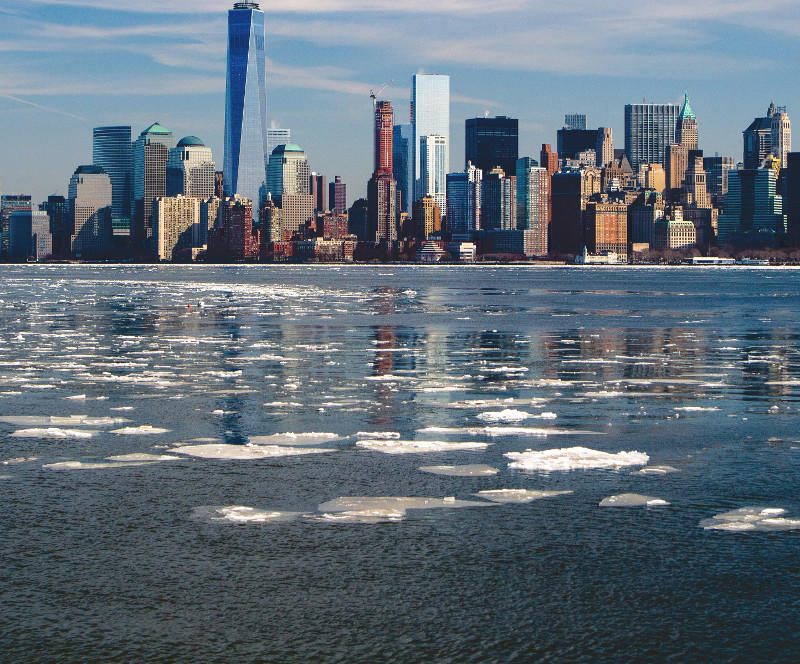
(507, 464)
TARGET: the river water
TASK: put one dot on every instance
(163, 499)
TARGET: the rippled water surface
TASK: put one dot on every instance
(399, 463)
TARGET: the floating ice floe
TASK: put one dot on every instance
(573, 458)
(237, 452)
(141, 456)
(507, 415)
(632, 500)
(473, 470)
(283, 404)
(243, 514)
(417, 446)
(696, 409)
(657, 470)
(517, 495)
(80, 465)
(533, 431)
(15, 460)
(144, 430)
(290, 438)
(751, 519)
(62, 420)
(376, 509)
(52, 432)
(223, 374)
(378, 435)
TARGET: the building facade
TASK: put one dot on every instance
(245, 160)
(427, 216)
(687, 134)
(491, 143)
(150, 156)
(464, 200)
(781, 130)
(90, 197)
(606, 228)
(176, 223)
(753, 211)
(649, 129)
(433, 173)
(112, 151)
(533, 195)
(337, 195)
(403, 163)
(430, 115)
(190, 169)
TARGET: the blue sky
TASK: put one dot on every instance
(70, 65)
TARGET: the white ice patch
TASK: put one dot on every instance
(657, 470)
(143, 430)
(15, 460)
(532, 431)
(378, 435)
(417, 446)
(243, 514)
(236, 452)
(61, 421)
(751, 519)
(283, 404)
(517, 495)
(52, 432)
(80, 465)
(223, 374)
(142, 457)
(507, 415)
(376, 509)
(632, 500)
(696, 409)
(573, 458)
(290, 438)
(473, 470)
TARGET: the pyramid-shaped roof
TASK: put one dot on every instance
(156, 128)
(686, 112)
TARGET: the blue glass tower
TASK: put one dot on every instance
(245, 167)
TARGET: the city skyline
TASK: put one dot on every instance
(94, 65)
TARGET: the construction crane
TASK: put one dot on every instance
(374, 95)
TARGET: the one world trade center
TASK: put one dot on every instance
(245, 168)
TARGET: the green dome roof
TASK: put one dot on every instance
(156, 128)
(188, 141)
(289, 147)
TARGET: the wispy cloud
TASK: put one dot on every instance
(42, 107)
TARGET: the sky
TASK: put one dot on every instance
(69, 65)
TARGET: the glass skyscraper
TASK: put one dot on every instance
(111, 151)
(430, 115)
(649, 129)
(492, 142)
(402, 163)
(245, 166)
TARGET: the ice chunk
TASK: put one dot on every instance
(473, 470)
(751, 519)
(573, 458)
(533, 431)
(80, 465)
(372, 509)
(243, 514)
(362, 516)
(417, 446)
(144, 430)
(227, 451)
(52, 432)
(8, 462)
(696, 409)
(290, 438)
(517, 495)
(544, 416)
(378, 435)
(632, 500)
(507, 415)
(142, 457)
(657, 470)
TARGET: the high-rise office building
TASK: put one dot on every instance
(288, 184)
(642, 216)
(382, 137)
(382, 208)
(604, 147)
(492, 143)
(10, 203)
(176, 222)
(112, 151)
(337, 195)
(430, 115)
(433, 168)
(533, 195)
(575, 121)
(686, 129)
(90, 196)
(695, 189)
(677, 162)
(317, 189)
(190, 169)
(29, 235)
(498, 201)
(234, 238)
(753, 209)
(150, 155)
(606, 227)
(570, 193)
(464, 200)
(403, 163)
(652, 176)
(209, 218)
(716, 169)
(781, 130)
(60, 224)
(649, 129)
(246, 153)
(548, 159)
(570, 142)
(276, 137)
(427, 216)
(758, 139)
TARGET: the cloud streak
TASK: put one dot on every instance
(41, 107)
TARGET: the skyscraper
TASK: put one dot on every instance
(90, 204)
(753, 209)
(276, 137)
(176, 220)
(337, 195)
(150, 154)
(403, 163)
(498, 201)
(10, 203)
(781, 130)
(716, 169)
(758, 139)
(604, 147)
(492, 143)
(533, 194)
(575, 121)
(464, 200)
(190, 169)
(111, 151)
(686, 129)
(433, 168)
(246, 105)
(288, 182)
(649, 129)
(430, 114)
(384, 123)
(316, 186)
